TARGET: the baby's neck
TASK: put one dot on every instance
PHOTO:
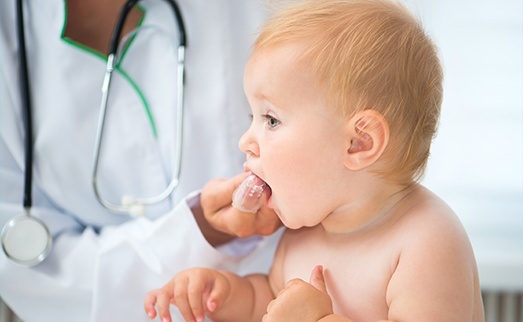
(367, 211)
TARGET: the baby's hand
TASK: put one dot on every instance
(300, 301)
(196, 292)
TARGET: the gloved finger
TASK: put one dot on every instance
(217, 194)
(248, 196)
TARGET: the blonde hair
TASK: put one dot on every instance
(370, 54)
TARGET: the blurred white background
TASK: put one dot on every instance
(477, 157)
(476, 162)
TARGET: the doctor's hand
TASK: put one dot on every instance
(216, 201)
(300, 301)
(196, 292)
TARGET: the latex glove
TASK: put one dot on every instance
(248, 197)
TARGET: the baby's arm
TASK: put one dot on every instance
(221, 295)
(435, 278)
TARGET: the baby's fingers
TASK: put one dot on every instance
(207, 293)
(163, 303)
(188, 295)
(160, 300)
(217, 295)
(150, 301)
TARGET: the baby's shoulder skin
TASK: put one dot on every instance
(436, 259)
(421, 214)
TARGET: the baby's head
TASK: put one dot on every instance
(369, 55)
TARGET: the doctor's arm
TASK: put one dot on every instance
(95, 273)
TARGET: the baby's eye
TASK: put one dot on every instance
(272, 122)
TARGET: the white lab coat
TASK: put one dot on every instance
(103, 264)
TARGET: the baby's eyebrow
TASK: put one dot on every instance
(260, 96)
(264, 97)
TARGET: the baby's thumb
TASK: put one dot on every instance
(217, 296)
(318, 279)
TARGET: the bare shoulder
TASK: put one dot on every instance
(433, 239)
(426, 216)
(436, 259)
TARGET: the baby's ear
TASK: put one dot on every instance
(367, 137)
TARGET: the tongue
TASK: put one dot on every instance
(248, 196)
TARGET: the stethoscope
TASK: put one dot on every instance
(26, 239)
(135, 206)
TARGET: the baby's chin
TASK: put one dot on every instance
(288, 224)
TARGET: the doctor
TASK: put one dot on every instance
(102, 264)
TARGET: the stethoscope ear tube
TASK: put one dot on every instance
(26, 240)
(113, 45)
(131, 205)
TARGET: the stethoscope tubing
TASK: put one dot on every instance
(136, 206)
(25, 230)
(25, 98)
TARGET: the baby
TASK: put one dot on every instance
(345, 98)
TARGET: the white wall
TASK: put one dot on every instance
(476, 162)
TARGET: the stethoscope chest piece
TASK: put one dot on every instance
(26, 240)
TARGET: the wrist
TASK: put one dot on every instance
(213, 236)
